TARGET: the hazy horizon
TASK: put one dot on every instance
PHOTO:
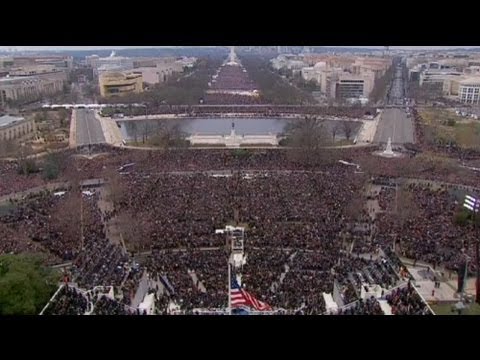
(87, 48)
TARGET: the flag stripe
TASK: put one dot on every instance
(241, 298)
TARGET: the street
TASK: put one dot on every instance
(394, 123)
(89, 130)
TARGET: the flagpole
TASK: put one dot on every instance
(229, 309)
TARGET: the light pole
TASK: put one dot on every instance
(473, 204)
(465, 273)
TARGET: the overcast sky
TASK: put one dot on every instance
(61, 48)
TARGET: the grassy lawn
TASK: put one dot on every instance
(450, 127)
(343, 142)
(6, 208)
(446, 309)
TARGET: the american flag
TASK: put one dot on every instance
(241, 298)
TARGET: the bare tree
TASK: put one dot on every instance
(145, 131)
(67, 215)
(167, 134)
(131, 230)
(335, 130)
(26, 164)
(308, 138)
(116, 188)
(347, 127)
(132, 128)
(8, 148)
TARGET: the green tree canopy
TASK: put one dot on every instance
(26, 284)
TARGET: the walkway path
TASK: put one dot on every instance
(368, 130)
(111, 131)
(73, 130)
(142, 290)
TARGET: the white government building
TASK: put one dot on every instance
(13, 128)
(469, 91)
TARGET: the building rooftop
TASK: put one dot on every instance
(8, 78)
(471, 81)
(8, 119)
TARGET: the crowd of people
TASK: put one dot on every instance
(221, 98)
(370, 306)
(14, 243)
(293, 220)
(424, 229)
(299, 223)
(108, 306)
(69, 228)
(68, 301)
(192, 279)
(12, 181)
(241, 104)
(406, 301)
(44, 219)
(232, 77)
(352, 273)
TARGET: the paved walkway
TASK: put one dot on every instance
(141, 290)
(111, 226)
(72, 141)
(111, 131)
(368, 130)
(426, 286)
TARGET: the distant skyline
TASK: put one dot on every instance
(80, 48)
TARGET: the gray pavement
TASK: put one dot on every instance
(142, 290)
(394, 123)
(89, 130)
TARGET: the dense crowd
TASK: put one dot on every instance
(424, 228)
(12, 181)
(44, 218)
(370, 306)
(232, 77)
(192, 279)
(72, 301)
(229, 98)
(406, 301)
(13, 242)
(69, 301)
(282, 209)
(300, 225)
(223, 107)
(352, 273)
(51, 224)
(108, 306)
